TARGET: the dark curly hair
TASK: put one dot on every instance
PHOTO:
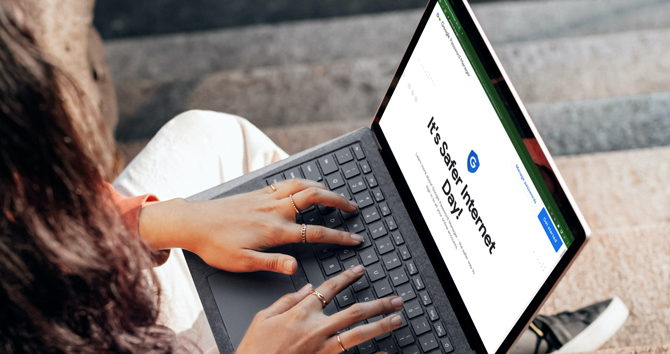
(72, 278)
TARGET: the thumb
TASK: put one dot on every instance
(273, 262)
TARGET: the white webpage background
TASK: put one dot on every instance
(499, 286)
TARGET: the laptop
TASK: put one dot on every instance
(463, 211)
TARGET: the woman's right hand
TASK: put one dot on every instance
(296, 323)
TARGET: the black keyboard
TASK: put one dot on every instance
(388, 262)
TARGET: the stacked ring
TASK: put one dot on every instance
(303, 233)
(320, 297)
(290, 197)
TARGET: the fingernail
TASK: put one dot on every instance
(305, 289)
(353, 204)
(396, 320)
(358, 269)
(289, 265)
(397, 302)
(357, 238)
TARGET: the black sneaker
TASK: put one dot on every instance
(584, 330)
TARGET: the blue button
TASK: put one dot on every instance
(550, 230)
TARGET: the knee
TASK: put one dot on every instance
(199, 122)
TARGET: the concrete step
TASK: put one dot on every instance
(188, 56)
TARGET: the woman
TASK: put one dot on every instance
(76, 257)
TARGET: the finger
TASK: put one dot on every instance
(333, 286)
(320, 234)
(318, 196)
(363, 333)
(362, 311)
(287, 302)
(272, 262)
(292, 186)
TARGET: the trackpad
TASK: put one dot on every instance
(239, 296)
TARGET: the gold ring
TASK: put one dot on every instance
(303, 233)
(290, 196)
(273, 187)
(320, 297)
(339, 341)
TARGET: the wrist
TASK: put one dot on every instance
(165, 225)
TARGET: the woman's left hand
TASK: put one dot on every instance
(230, 233)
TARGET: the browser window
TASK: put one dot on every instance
(478, 189)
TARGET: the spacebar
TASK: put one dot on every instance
(311, 267)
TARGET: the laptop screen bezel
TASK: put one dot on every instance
(495, 74)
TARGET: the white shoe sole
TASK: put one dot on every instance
(600, 331)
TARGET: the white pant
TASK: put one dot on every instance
(194, 151)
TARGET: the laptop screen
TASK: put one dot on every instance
(483, 187)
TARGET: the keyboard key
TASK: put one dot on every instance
(411, 268)
(355, 225)
(372, 181)
(347, 215)
(325, 209)
(333, 219)
(334, 181)
(365, 296)
(311, 218)
(398, 277)
(293, 173)
(275, 179)
(365, 167)
(361, 284)
(312, 270)
(391, 223)
(432, 313)
(327, 164)
(345, 254)
(331, 266)
(367, 348)
(357, 185)
(368, 256)
(413, 309)
(404, 252)
(428, 342)
(350, 263)
(378, 230)
(391, 261)
(379, 196)
(420, 325)
(330, 309)
(418, 283)
(439, 329)
(384, 209)
(406, 292)
(351, 170)
(397, 237)
(403, 323)
(358, 151)
(375, 272)
(404, 337)
(384, 245)
(367, 242)
(363, 200)
(324, 250)
(382, 288)
(387, 345)
(344, 155)
(446, 345)
(411, 350)
(345, 298)
(425, 298)
(343, 191)
(310, 171)
(370, 214)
